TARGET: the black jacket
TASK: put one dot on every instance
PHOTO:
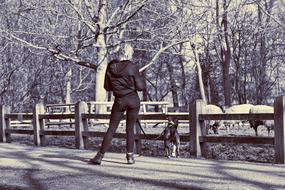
(123, 78)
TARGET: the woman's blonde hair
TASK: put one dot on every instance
(128, 49)
(125, 50)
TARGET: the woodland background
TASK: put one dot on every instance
(56, 51)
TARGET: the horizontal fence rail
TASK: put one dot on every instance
(183, 137)
(58, 133)
(232, 116)
(19, 116)
(141, 117)
(20, 131)
(57, 116)
(238, 139)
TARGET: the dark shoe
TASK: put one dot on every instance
(130, 158)
(97, 159)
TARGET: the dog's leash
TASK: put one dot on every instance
(139, 123)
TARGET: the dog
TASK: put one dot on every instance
(214, 125)
(171, 137)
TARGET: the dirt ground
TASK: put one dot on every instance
(26, 167)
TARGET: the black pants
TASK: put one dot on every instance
(130, 104)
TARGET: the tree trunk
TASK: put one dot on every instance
(100, 92)
(201, 84)
(68, 86)
(183, 78)
(261, 76)
(173, 86)
(209, 90)
(199, 71)
(226, 60)
(225, 51)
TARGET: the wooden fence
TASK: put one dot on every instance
(40, 118)
(197, 137)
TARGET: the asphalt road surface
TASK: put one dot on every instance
(43, 168)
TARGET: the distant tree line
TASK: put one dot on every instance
(56, 51)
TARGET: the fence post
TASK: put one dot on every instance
(4, 124)
(138, 141)
(85, 129)
(38, 109)
(42, 129)
(197, 128)
(279, 129)
(81, 141)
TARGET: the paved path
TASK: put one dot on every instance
(41, 168)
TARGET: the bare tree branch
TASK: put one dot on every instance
(55, 52)
(160, 51)
(271, 16)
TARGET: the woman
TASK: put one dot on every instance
(123, 79)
